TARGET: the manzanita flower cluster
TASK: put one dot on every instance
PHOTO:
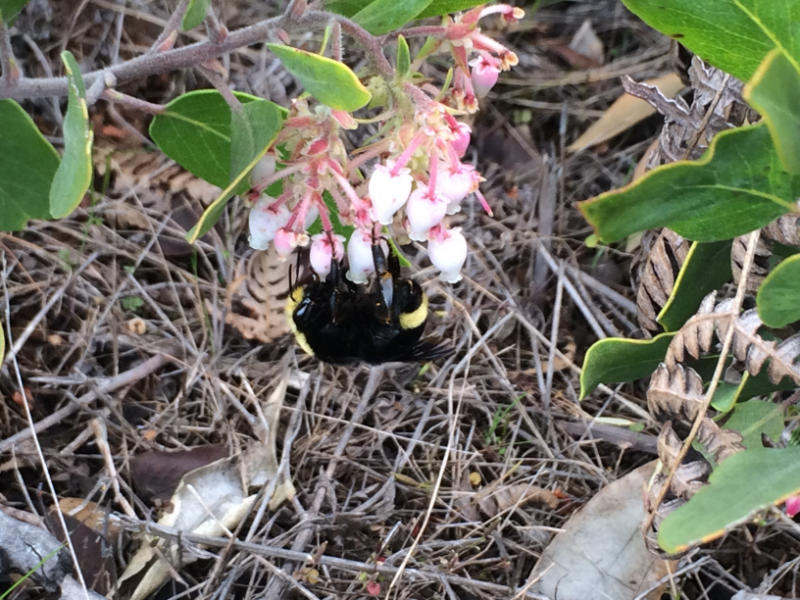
(409, 180)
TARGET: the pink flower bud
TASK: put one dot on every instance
(286, 241)
(484, 75)
(447, 251)
(323, 252)
(461, 141)
(792, 506)
(423, 212)
(359, 256)
(388, 192)
(265, 220)
(455, 183)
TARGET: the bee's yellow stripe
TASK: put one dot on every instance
(291, 303)
(415, 318)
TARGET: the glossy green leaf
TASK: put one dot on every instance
(403, 62)
(737, 186)
(254, 126)
(195, 13)
(446, 7)
(734, 35)
(9, 9)
(778, 297)
(754, 417)
(773, 91)
(613, 360)
(383, 16)
(28, 164)
(739, 487)
(74, 173)
(195, 131)
(329, 81)
(706, 268)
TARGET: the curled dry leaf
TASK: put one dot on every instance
(212, 500)
(155, 474)
(657, 274)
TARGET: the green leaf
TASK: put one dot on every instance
(9, 9)
(346, 8)
(28, 164)
(706, 268)
(773, 91)
(338, 227)
(742, 485)
(403, 62)
(74, 173)
(329, 81)
(253, 127)
(777, 298)
(195, 131)
(754, 417)
(613, 360)
(383, 16)
(734, 35)
(195, 13)
(737, 186)
(729, 395)
(438, 8)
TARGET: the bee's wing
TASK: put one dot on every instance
(428, 349)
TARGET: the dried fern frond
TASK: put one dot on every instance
(760, 267)
(784, 230)
(720, 443)
(657, 276)
(696, 337)
(256, 297)
(676, 393)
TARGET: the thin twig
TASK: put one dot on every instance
(171, 26)
(103, 385)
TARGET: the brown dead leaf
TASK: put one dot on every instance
(155, 474)
(624, 113)
(93, 550)
(90, 514)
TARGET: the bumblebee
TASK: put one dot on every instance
(341, 322)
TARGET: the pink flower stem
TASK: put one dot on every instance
(299, 213)
(278, 175)
(324, 216)
(434, 172)
(405, 156)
